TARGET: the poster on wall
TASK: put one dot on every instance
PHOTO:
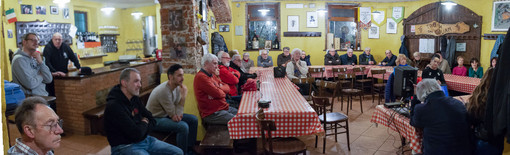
(40, 10)
(26, 9)
(397, 14)
(373, 32)
(364, 17)
(54, 10)
(213, 23)
(311, 19)
(460, 47)
(379, 17)
(293, 23)
(391, 27)
(501, 16)
(426, 45)
(65, 12)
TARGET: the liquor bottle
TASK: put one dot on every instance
(276, 43)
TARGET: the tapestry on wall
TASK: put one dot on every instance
(379, 17)
(364, 17)
(397, 14)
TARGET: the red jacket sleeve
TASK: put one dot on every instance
(211, 87)
(227, 76)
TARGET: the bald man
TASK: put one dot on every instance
(57, 55)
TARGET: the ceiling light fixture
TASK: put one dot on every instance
(448, 4)
(137, 14)
(263, 11)
(322, 11)
(61, 3)
(107, 9)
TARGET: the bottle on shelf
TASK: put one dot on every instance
(276, 43)
(255, 43)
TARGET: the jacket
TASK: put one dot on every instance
(247, 65)
(231, 77)
(477, 74)
(346, 60)
(291, 70)
(261, 62)
(403, 48)
(57, 59)
(495, 49)
(434, 74)
(364, 58)
(282, 59)
(307, 60)
(243, 78)
(123, 118)
(390, 61)
(210, 93)
(31, 76)
(335, 59)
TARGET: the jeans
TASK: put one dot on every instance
(148, 146)
(221, 117)
(186, 130)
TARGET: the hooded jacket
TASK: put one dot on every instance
(335, 59)
(123, 119)
(31, 76)
(57, 59)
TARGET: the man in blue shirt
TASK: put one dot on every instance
(264, 60)
(349, 58)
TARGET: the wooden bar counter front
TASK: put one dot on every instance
(78, 93)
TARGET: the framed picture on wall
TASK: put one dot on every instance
(311, 19)
(26, 9)
(65, 12)
(40, 10)
(500, 16)
(54, 10)
(293, 23)
(213, 23)
(224, 28)
(373, 32)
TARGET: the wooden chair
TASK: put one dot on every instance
(310, 81)
(376, 86)
(323, 87)
(277, 145)
(350, 91)
(333, 119)
(315, 70)
(364, 82)
(340, 70)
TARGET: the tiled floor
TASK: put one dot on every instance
(366, 138)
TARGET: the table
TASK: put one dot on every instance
(292, 114)
(328, 73)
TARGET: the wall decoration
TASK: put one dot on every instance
(460, 47)
(397, 14)
(312, 19)
(437, 29)
(224, 28)
(10, 16)
(501, 16)
(294, 6)
(65, 12)
(379, 17)
(175, 20)
(54, 10)
(213, 23)
(427, 45)
(40, 10)
(178, 48)
(239, 30)
(373, 32)
(311, 5)
(391, 26)
(26, 9)
(364, 17)
(267, 44)
(9, 33)
(203, 10)
(293, 23)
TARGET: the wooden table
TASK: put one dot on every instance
(289, 109)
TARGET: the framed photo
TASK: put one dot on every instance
(293, 23)
(267, 44)
(54, 10)
(391, 26)
(26, 9)
(311, 19)
(500, 16)
(224, 28)
(213, 23)
(373, 32)
(65, 12)
(40, 10)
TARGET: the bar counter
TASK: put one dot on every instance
(78, 93)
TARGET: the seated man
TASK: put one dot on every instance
(366, 58)
(332, 58)
(40, 128)
(29, 69)
(389, 60)
(210, 93)
(264, 60)
(443, 120)
(349, 58)
(236, 64)
(298, 69)
(166, 103)
(227, 74)
(127, 122)
(284, 57)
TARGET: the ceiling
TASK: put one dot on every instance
(125, 3)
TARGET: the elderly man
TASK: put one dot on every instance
(284, 57)
(227, 74)
(349, 58)
(127, 122)
(366, 58)
(235, 64)
(28, 68)
(40, 128)
(443, 120)
(264, 60)
(166, 103)
(389, 60)
(247, 63)
(332, 58)
(210, 93)
(57, 55)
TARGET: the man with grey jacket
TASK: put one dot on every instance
(29, 69)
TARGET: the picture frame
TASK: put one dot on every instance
(224, 28)
(373, 32)
(54, 10)
(267, 44)
(391, 26)
(312, 19)
(65, 13)
(40, 10)
(213, 23)
(293, 23)
(498, 21)
(26, 9)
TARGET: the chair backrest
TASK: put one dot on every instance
(313, 70)
(377, 72)
(348, 76)
(265, 125)
(321, 103)
(337, 70)
(308, 80)
(323, 85)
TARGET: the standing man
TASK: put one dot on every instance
(389, 60)
(366, 58)
(40, 128)
(349, 58)
(127, 122)
(28, 68)
(332, 58)
(57, 55)
(264, 60)
(284, 57)
(166, 103)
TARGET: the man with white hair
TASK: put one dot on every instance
(236, 64)
(210, 93)
(227, 74)
(366, 58)
(349, 58)
(264, 60)
(332, 58)
(443, 120)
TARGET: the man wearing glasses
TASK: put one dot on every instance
(29, 69)
(40, 128)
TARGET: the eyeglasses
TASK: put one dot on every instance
(34, 40)
(54, 126)
(225, 57)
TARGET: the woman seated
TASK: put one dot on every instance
(460, 69)
(476, 70)
(432, 71)
(388, 90)
(494, 60)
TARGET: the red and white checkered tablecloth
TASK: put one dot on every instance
(292, 114)
(400, 124)
(461, 83)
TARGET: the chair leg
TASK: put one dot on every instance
(373, 96)
(336, 133)
(342, 103)
(350, 100)
(361, 104)
(348, 141)
(316, 138)
(324, 144)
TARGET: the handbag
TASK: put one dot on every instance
(279, 72)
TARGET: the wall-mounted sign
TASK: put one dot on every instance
(461, 47)
(365, 17)
(294, 6)
(437, 29)
(398, 14)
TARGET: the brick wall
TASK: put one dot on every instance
(221, 11)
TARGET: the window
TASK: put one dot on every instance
(80, 21)
(343, 23)
(262, 27)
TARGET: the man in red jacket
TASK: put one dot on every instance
(228, 74)
(210, 93)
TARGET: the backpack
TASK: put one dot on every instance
(13, 93)
(279, 72)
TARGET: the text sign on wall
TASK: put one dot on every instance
(437, 29)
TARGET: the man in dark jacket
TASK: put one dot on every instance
(443, 120)
(57, 55)
(366, 58)
(127, 122)
(389, 60)
(235, 64)
(349, 58)
(284, 57)
(332, 58)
